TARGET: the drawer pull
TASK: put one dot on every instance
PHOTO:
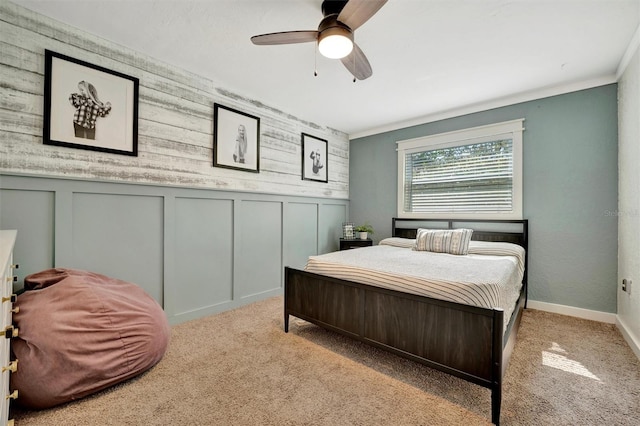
(13, 278)
(16, 309)
(11, 331)
(13, 298)
(15, 266)
(12, 395)
(13, 367)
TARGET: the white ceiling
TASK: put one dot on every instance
(430, 58)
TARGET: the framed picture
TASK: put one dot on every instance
(314, 158)
(89, 107)
(348, 231)
(236, 139)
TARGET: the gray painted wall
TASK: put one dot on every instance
(195, 251)
(570, 190)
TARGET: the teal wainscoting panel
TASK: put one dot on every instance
(330, 226)
(300, 233)
(203, 253)
(197, 252)
(120, 236)
(258, 261)
(31, 213)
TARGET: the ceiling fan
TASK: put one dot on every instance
(334, 34)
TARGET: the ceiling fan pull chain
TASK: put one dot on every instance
(354, 65)
(315, 60)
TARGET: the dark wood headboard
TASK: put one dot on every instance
(509, 231)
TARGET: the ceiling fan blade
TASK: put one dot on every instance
(357, 64)
(357, 12)
(287, 37)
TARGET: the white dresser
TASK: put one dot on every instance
(7, 241)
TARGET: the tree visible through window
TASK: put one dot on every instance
(466, 177)
(477, 177)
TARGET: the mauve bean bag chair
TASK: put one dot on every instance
(81, 332)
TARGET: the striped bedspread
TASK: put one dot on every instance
(490, 276)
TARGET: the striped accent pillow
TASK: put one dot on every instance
(452, 241)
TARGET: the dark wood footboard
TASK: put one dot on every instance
(465, 341)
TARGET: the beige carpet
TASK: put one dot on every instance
(240, 368)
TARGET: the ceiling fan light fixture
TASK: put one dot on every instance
(335, 34)
(335, 42)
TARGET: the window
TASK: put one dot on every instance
(468, 174)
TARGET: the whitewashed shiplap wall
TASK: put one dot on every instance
(175, 127)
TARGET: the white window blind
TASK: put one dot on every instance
(474, 173)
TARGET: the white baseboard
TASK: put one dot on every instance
(573, 312)
(605, 317)
(632, 340)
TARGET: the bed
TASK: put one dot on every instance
(468, 341)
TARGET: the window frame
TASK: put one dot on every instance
(512, 129)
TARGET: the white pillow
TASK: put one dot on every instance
(452, 241)
(398, 242)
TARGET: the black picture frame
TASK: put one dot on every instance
(236, 139)
(73, 87)
(315, 159)
(348, 231)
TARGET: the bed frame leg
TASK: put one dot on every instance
(496, 402)
(286, 322)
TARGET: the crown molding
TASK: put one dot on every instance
(495, 103)
(632, 48)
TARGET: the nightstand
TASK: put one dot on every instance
(355, 243)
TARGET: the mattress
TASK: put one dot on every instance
(490, 276)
